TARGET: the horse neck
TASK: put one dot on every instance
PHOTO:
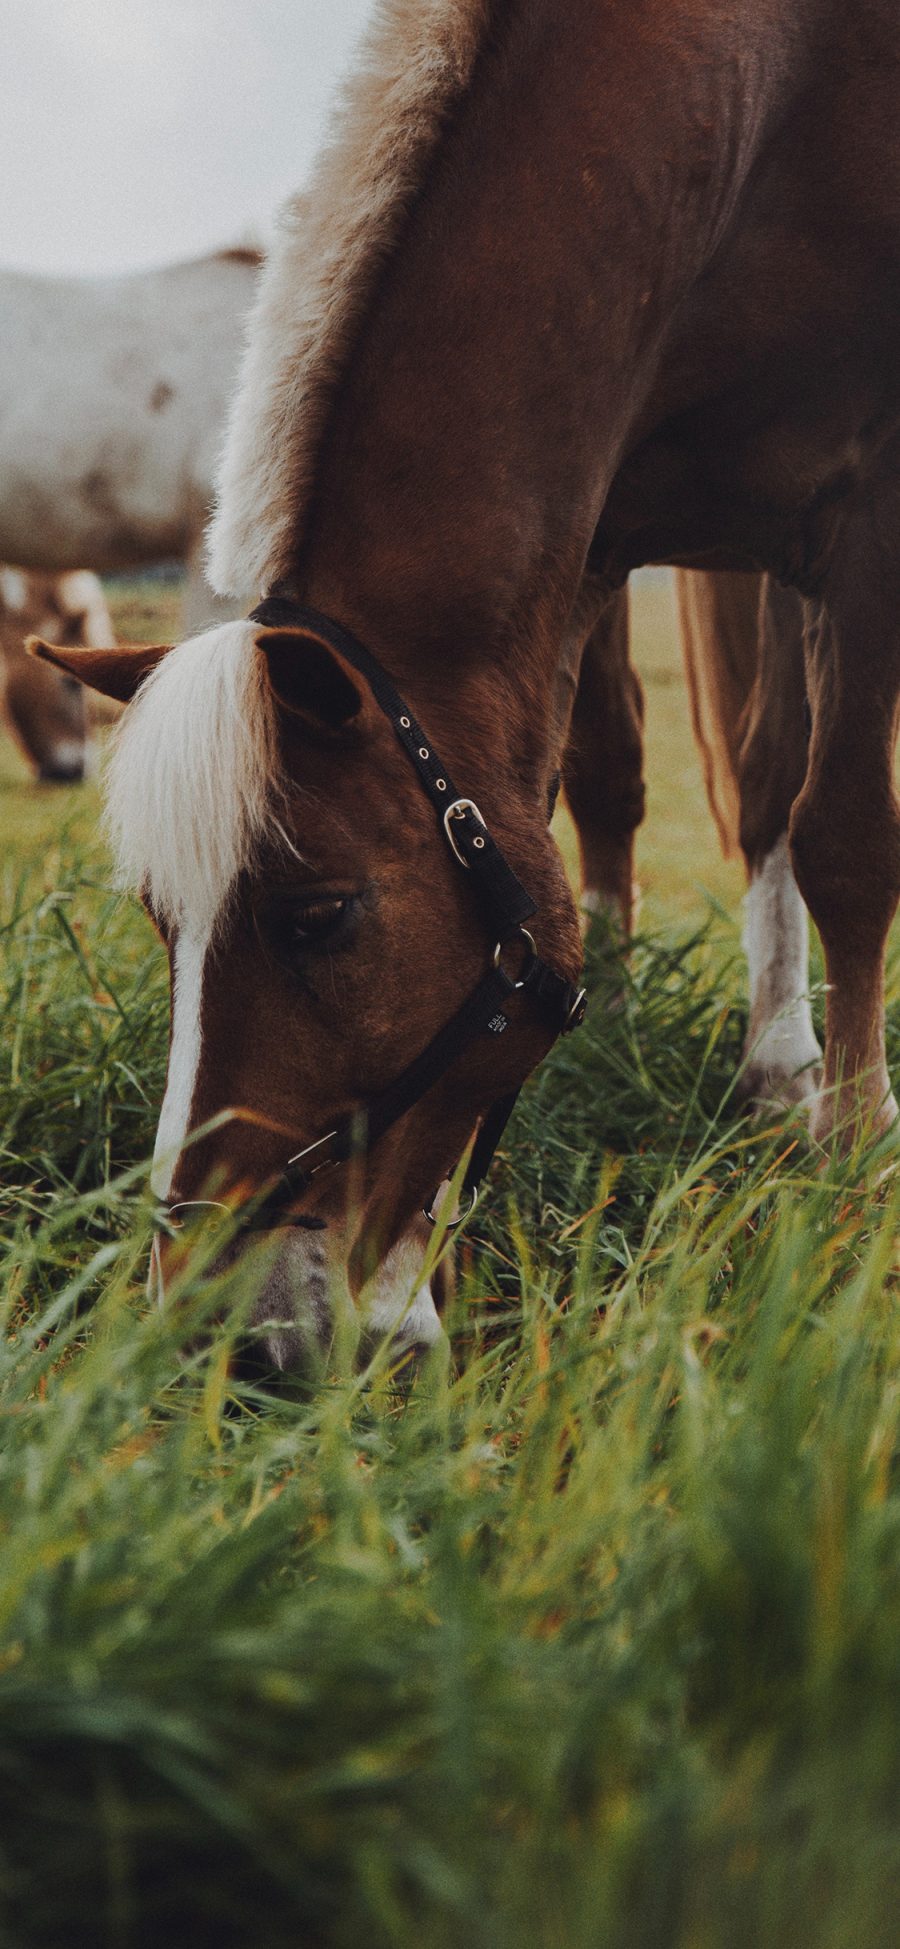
(521, 323)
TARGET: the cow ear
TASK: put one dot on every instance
(311, 680)
(115, 673)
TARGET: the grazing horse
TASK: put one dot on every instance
(43, 708)
(113, 394)
(573, 290)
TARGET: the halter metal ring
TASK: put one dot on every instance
(576, 1013)
(523, 935)
(165, 1219)
(455, 811)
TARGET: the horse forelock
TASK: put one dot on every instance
(415, 62)
(192, 783)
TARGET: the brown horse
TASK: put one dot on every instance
(44, 708)
(576, 289)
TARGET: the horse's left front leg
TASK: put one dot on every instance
(845, 825)
(782, 1057)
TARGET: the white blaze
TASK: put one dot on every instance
(184, 1058)
(82, 595)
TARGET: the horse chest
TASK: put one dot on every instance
(760, 476)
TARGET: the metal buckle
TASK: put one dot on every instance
(455, 811)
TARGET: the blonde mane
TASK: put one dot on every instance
(416, 60)
(193, 780)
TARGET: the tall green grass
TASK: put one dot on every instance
(588, 1637)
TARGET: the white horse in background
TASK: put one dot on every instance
(113, 393)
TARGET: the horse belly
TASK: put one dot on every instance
(78, 496)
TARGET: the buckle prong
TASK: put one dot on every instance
(457, 811)
(320, 1141)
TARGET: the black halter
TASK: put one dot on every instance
(505, 905)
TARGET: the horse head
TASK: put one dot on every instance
(45, 706)
(332, 962)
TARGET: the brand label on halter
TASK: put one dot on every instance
(498, 1023)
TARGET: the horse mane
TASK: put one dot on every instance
(416, 60)
(192, 784)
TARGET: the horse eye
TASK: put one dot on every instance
(313, 925)
(299, 926)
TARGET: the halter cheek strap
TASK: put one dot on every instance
(505, 905)
(506, 902)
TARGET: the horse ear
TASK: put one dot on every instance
(310, 679)
(115, 673)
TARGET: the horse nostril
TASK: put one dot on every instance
(70, 772)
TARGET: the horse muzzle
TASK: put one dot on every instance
(294, 1288)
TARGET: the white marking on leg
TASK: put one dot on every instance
(594, 902)
(184, 1058)
(781, 1048)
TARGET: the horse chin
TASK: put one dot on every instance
(304, 1314)
(50, 775)
(67, 763)
(305, 1308)
(292, 1323)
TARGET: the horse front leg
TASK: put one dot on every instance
(782, 1058)
(845, 826)
(602, 769)
(742, 638)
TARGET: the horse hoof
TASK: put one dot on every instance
(764, 1091)
(846, 1121)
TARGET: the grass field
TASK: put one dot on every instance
(589, 1639)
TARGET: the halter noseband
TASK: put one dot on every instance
(506, 906)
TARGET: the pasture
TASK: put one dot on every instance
(589, 1637)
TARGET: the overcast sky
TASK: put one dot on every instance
(137, 131)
